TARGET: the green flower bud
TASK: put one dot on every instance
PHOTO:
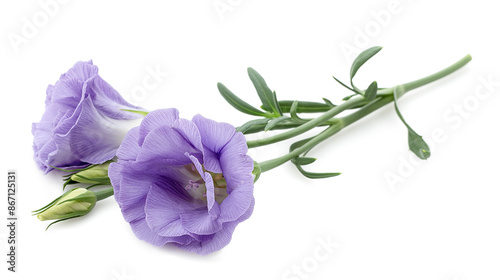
(74, 203)
(96, 174)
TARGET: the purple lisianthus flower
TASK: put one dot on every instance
(183, 182)
(84, 122)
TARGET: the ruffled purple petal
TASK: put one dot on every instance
(214, 135)
(211, 161)
(212, 206)
(200, 223)
(81, 71)
(108, 101)
(165, 202)
(143, 232)
(83, 121)
(129, 148)
(134, 184)
(94, 138)
(47, 152)
(190, 132)
(236, 165)
(237, 203)
(220, 239)
(68, 90)
(156, 119)
(166, 145)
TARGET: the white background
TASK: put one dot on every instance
(441, 220)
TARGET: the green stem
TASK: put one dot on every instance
(381, 100)
(431, 78)
(327, 133)
(102, 194)
(376, 104)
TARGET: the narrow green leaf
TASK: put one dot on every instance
(238, 103)
(267, 97)
(371, 91)
(246, 126)
(303, 160)
(299, 161)
(312, 175)
(416, 143)
(362, 58)
(272, 123)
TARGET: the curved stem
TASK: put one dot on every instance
(355, 102)
(382, 99)
(431, 78)
(438, 75)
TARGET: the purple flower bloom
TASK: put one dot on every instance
(83, 122)
(183, 182)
